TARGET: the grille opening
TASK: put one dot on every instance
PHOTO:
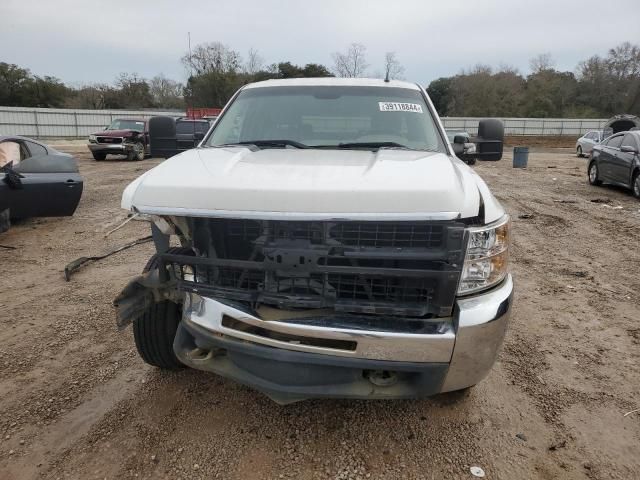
(356, 287)
(388, 234)
(402, 268)
(235, 324)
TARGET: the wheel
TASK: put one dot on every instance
(579, 151)
(155, 330)
(635, 184)
(593, 174)
(137, 153)
(99, 156)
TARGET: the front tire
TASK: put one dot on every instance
(137, 153)
(99, 156)
(594, 175)
(155, 330)
(579, 151)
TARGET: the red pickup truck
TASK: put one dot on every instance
(125, 136)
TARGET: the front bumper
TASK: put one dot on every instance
(114, 148)
(303, 357)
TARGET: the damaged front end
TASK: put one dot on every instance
(299, 309)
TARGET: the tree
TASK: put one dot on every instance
(550, 93)
(351, 63)
(611, 84)
(623, 63)
(48, 92)
(480, 92)
(88, 96)
(288, 70)
(133, 91)
(392, 67)
(166, 93)
(212, 57)
(213, 89)
(254, 62)
(316, 70)
(439, 91)
(541, 62)
(15, 83)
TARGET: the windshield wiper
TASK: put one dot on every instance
(372, 145)
(269, 143)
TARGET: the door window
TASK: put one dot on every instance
(35, 148)
(629, 141)
(615, 142)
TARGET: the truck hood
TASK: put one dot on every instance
(117, 133)
(290, 182)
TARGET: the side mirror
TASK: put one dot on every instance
(490, 140)
(628, 149)
(458, 145)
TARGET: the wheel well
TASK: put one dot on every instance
(634, 174)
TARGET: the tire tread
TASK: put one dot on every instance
(155, 330)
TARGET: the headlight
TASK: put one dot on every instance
(92, 138)
(487, 259)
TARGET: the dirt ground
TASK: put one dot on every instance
(77, 402)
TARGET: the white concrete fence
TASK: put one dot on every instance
(68, 123)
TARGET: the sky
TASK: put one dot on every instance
(83, 42)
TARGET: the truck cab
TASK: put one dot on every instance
(332, 244)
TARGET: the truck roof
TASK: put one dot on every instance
(332, 81)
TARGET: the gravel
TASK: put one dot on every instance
(77, 401)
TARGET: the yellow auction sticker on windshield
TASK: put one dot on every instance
(400, 107)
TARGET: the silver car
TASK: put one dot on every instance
(586, 142)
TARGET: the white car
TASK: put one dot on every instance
(585, 143)
(331, 245)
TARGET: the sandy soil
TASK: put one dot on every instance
(77, 402)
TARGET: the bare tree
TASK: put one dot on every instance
(392, 67)
(212, 57)
(352, 63)
(254, 62)
(88, 96)
(542, 62)
(624, 61)
(166, 93)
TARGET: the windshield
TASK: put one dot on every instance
(329, 116)
(124, 124)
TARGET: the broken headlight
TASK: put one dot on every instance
(487, 260)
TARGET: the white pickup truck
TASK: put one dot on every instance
(331, 244)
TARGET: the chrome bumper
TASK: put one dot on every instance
(468, 342)
(110, 147)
